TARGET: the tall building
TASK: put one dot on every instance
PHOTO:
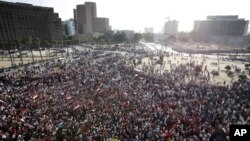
(149, 30)
(222, 29)
(90, 15)
(69, 27)
(101, 25)
(87, 21)
(80, 19)
(20, 20)
(221, 25)
(171, 28)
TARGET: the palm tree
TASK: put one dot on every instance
(69, 43)
(228, 68)
(55, 46)
(37, 42)
(28, 41)
(9, 44)
(61, 46)
(2, 47)
(17, 42)
(103, 41)
(197, 70)
(47, 44)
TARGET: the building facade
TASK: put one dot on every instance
(90, 15)
(19, 20)
(171, 28)
(221, 29)
(80, 18)
(149, 30)
(101, 25)
(222, 25)
(69, 27)
(85, 17)
(87, 21)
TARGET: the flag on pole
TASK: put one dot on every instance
(76, 107)
(125, 93)
(23, 119)
(2, 101)
(34, 96)
(98, 89)
(69, 97)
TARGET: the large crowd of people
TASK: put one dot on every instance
(99, 96)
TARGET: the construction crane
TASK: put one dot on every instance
(167, 18)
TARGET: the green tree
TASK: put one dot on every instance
(68, 43)
(119, 37)
(197, 70)
(183, 36)
(109, 35)
(137, 37)
(54, 44)
(102, 40)
(46, 44)
(28, 41)
(17, 42)
(247, 66)
(2, 47)
(161, 58)
(228, 68)
(10, 46)
(242, 77)
(37, 42)
(148, 37)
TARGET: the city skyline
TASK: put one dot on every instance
(135, 15)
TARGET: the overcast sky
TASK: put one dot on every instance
(138, 14)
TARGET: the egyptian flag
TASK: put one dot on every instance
(76, 107)
(34, 96)
(2, 101)
(68, 97)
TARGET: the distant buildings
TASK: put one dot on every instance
(101, 25)
(171, 28)
(160, 37)
(222, 25)
(221, 29)
(19, 20)
(87, 21)
(85, 16)
(149, 30)
(129, 34)
(69, 27)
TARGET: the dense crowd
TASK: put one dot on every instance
(102, 97)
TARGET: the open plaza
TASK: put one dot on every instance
(144, 92)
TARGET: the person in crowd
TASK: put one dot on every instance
(98, 97)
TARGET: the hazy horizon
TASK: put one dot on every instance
(136, 15)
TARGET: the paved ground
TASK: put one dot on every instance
(208, 60)
(5, 60)
(176, 60)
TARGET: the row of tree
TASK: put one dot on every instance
(30, 44)
(110, 37)
(120, 37)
